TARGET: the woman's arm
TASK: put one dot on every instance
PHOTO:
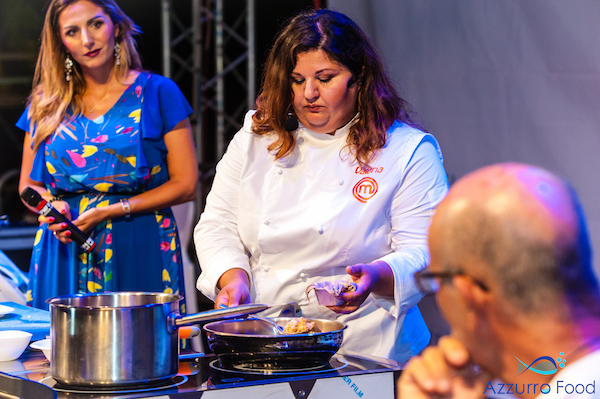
(376, 277)
(218, 244)
(424, 187)
(26, 165)
(25, 181)
(181, 186)
(234, 288)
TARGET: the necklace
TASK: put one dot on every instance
(102, 99)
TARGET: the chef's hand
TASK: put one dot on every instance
(58, 229)
(445, 370)
(376, 277)
(235, 289)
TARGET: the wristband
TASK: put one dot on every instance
(126, 208)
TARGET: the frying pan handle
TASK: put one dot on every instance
(218, 314)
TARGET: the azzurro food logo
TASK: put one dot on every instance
(544, 365)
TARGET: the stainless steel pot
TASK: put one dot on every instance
(124, 338)
(252, 344)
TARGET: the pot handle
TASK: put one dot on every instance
(188, 332)
(219, 314)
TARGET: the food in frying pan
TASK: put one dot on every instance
(328, 292)
(298, 325)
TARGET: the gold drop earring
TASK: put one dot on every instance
(68, 67)
(117, 54)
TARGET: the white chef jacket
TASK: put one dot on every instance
(305, 217)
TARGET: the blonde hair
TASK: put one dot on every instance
(53, 100)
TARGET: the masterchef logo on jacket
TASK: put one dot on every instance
(365, 170)
(365, 189)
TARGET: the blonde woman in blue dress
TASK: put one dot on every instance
(111, 147)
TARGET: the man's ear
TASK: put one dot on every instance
(474, 303)
(472, 294)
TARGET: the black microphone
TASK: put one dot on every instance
(34, 199)
(291, 123)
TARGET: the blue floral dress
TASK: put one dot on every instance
(95, 163)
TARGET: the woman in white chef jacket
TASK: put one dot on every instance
(328, 179)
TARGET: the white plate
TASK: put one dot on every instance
(41, 345)
(4, 310)
(44, 345)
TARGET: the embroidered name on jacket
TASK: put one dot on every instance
(368, 169)
(365, 189)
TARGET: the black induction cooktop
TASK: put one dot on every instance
(203, 376)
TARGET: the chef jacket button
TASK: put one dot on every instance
(302, 275)
(279, 171)
(267, 223)
(341, 182)
(266, 269)
(320, 229)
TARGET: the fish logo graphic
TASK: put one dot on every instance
(544, 365)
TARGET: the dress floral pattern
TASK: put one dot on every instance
(95, 163)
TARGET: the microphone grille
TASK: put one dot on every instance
(31, 196)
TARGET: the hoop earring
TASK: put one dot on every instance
(117, 53)
(68, 67)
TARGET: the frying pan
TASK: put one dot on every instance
(253, 344)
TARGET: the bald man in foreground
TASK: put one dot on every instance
(511, 269)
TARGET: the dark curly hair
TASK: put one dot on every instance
(379, 105)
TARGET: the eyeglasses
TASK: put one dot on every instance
(430, 282)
